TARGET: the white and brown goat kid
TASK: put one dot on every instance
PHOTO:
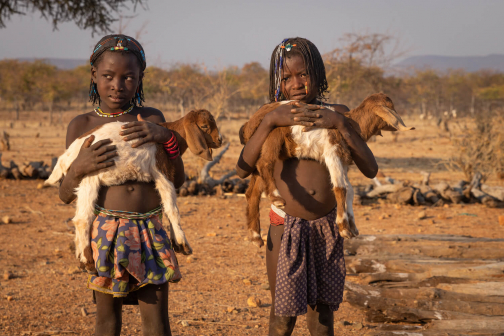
(374, 114)
(197, 131)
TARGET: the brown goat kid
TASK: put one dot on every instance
(374, 114)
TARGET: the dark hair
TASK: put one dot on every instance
(312, 59)
(117, 43)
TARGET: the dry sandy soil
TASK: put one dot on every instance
(47, 291)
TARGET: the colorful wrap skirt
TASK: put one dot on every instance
(130, 250)
(311, 265)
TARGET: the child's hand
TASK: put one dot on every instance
(95, 157)
(327, 118)
(290, 115)
(145, 131)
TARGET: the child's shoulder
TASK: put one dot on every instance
(151, 114)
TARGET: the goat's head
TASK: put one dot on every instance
(377, 113)
(202, 133)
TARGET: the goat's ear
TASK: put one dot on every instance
(195, 139)
(241, 135)
(393, 119)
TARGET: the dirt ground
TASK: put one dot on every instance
(48, 293)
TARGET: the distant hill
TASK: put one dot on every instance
(442, 63)
(60, 63)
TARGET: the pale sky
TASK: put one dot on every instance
(234, 32)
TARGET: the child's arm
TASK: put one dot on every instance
(281, 116)
(91, 158)
(361, 154)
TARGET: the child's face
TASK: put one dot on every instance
(295, 80)
(117, 77)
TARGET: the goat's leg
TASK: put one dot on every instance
(169, 199)
(253, 196)
(87, 194)
(349, 201)
(266, 166)
(338, 172)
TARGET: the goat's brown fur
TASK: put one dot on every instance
(374, 114)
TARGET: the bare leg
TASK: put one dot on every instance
(153, 303)
(320, 320)
(279, 325)
(108, 315)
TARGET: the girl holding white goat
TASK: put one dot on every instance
(129, 249)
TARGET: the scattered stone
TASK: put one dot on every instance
(84, 312)
(441, 216)
(246, 239)
(7, 275)
(397, 206)
(247, 282)
(256, 326)
(265, 287)
(501, 220)
(57, 252)
(41, 186)
(421, 215)
(184, 323)
(71, 247)
(264, 237)
(73, 270)
(432, 221)
(211, 234)
(6, 220)
(9, 298)
(446, 205)
(358, 326)
(190, 259)
(253, 302)
(235, 311)
(230, 309)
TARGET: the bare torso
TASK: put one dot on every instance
(306, 187)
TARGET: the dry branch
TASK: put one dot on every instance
(205, 177)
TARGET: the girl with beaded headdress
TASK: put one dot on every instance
(124, 263)
(304, 253)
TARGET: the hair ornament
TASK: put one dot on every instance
(119, 46)
(288, 47)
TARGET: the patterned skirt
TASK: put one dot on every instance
(130, 250)
(311, 265)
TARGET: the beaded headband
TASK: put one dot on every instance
(119, 46)
(278, 65)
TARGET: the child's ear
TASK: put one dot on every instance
(93, 74)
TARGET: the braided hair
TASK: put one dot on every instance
(312, 59)
(117, 43)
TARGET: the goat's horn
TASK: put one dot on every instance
(392, 118)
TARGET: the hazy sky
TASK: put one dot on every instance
(234, 32)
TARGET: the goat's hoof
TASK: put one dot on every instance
(181, 248)
(186, 249)
(278, 202)
(346, 234)
(257, 241)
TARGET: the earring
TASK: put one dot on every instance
(138, 97)
(306, 87)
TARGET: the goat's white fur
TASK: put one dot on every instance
(137, 164)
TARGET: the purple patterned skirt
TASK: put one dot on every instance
(130, 253)
(311, 266)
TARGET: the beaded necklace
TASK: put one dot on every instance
(112, 115)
